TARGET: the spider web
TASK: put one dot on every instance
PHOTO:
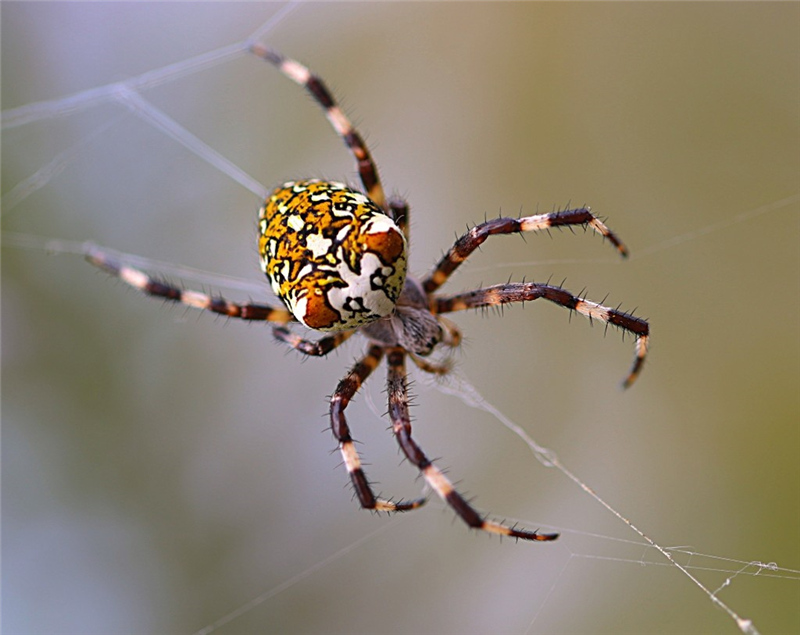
(549, 581)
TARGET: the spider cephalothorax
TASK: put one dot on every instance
(337, 259)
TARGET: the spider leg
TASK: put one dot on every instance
(401, 424)
(319, 348)
(524, 291)
(430, 367)
(160, 289)
(345, 391)
(301, 75)
(476, 236)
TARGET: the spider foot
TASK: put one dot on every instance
(398, 506)
(642, 342)
(504, 530)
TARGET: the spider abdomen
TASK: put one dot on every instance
(334, 258)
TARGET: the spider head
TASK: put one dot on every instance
(334, 258)
(412, 325)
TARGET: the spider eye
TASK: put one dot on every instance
(334, 258)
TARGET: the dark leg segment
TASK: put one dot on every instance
(341, 124)
(345, 391)
(401, 424)
(525, 291)
(151, 286)
(475, 237)
(319, 348)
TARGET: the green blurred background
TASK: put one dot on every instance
(161, 468)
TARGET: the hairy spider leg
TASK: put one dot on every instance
(345, 391)
(525, 291)
(318, 348)
(401, 424)
(301, 75)
(161, 289)
(476, 236)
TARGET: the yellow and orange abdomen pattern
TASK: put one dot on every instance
(334, 258)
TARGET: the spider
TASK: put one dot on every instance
(337, 259)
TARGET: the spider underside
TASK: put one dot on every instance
(337, 258)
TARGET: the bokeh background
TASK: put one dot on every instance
(161, 468)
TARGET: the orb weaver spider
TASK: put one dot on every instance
(337, 259)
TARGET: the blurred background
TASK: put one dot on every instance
(161, 467)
